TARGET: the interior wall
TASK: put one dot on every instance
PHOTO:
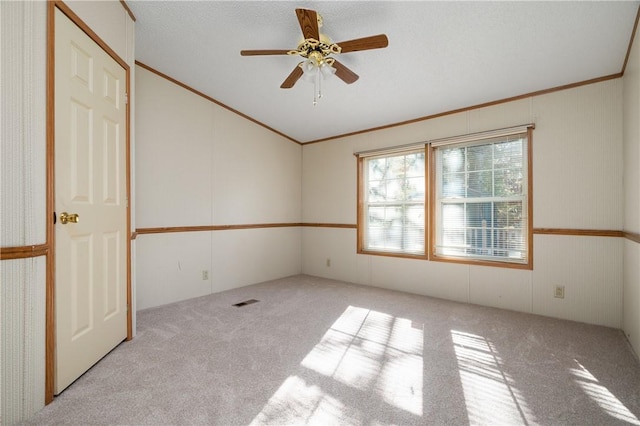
(22, 207)
(199, 164)
(632, 195)
(23, 196)
(577, 184)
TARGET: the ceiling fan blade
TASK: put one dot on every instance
(308, 23)
(292, 78)
(263, 52)
(344, 73)
(365, 43)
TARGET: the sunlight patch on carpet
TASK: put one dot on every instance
(602, 396)
(366, 351)
(490, 394)
(373, 351)
(298, 402)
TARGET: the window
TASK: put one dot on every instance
(462, 199)
(481, 202)
(394, 203)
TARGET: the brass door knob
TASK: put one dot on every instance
(69, 218)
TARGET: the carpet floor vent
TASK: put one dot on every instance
(245, 303)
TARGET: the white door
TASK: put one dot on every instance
(90, 182)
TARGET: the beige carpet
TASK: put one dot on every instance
(316, 351)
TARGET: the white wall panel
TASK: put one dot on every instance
(436, 279)
(22, 321)
(632, 174)
(329, 176)
(249, 256)
(577, 158)
(169, 267)
(447, 281)
(436, 128)
(500, 116)
(338, 245)
(631, 320)
(420, 131)
(631, 150)
(173, 154)
(256, 173)
(23, 115)
(500, 287)
(399, 274)
(589, 268)
(22, 207)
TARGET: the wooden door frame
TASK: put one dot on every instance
(50, 338)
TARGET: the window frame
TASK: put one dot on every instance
(483, 261)
(362, 202)
(430, 201)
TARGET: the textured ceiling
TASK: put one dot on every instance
(441, 56)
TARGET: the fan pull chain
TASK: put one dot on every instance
(316, 87)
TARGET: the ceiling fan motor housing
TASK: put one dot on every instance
(316, 50)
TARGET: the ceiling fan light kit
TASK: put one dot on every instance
(316, 48)
(315, 70)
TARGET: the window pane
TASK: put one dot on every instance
(453, 216)
(508, 182)
(479, 157)
(478, 215)
(453, 185)
(376, 216)
(453, 160)
(510, 238)
(414, 188)
(415, 165)
(508, 154)
(453, 242)
(413, 238)
(396, 165)
(377, 190)
(509, 214)
(395, 190)
(480, 184)
(377, 168)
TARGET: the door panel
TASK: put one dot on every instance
(81, 146)
(81, 285)
(111, 267)
(110, 166)
(90, 180)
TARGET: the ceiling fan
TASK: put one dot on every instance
(316, 48)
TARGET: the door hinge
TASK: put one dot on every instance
(126, 202)
(126, 98)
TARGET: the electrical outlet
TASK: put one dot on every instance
(328, 262)
(205, 275)
(559, 292)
